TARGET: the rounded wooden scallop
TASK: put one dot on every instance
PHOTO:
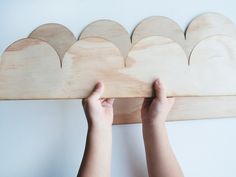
(158, 26)
(213, 70)
(159, 56)
(206, 25)
(111, 31)
(58, 36)
(209, 24)
(30, 69)
(88, 61)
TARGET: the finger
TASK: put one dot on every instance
(102, 99)
(146, 102)
(97, 92)
(159, 90)
(83, 101)
(110, 100)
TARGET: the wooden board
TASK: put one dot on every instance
(201, 65)
(150, 58)
(203, 73)
(185, 108)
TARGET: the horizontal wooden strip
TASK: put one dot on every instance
(187, 108)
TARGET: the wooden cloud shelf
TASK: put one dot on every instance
(199, 64)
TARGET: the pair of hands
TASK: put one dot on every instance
(161, 160)
(99, 111)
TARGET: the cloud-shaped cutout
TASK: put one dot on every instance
(203, 70)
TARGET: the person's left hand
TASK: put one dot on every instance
(98, 111)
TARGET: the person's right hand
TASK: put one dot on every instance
(155, 110)
(98, 111)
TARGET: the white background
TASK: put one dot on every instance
(46, 138)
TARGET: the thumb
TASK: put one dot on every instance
(159, 90)
(97, 91)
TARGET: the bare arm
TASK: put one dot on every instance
(97, 156)
(161, 160)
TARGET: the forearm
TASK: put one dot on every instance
(97, 156)
(161, 160)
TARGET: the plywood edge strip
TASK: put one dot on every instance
(188, 108)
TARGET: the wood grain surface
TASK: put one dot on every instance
(57, 35)
(185, 108)
(111, 31)
(196, 65)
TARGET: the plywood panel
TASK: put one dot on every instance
(89, 60)
(185, 108)
(200, 62)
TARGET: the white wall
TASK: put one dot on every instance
(46, 138)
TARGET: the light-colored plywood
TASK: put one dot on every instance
(158, 26)
(111, 31)
(185, 108)
(30, 69)
(203, 26)
(89, 60)
(201, 65)
(127, 110)
(207, 25)
(210, 24)
(58, 36)
(169, 62)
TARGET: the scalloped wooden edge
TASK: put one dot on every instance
(111, 31)
(225, 98)
(137, 73)
(57, 35)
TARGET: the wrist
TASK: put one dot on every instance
(153, 123)
(99, 128)
(153, 130)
